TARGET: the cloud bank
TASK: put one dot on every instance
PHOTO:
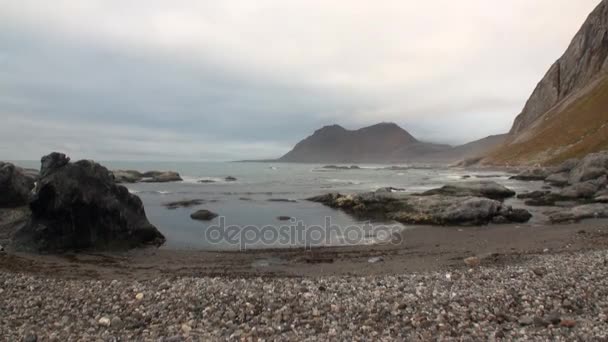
(222, 80)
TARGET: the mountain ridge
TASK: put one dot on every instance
(384, 142)
(566, 116)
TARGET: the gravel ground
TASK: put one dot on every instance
(561, 297)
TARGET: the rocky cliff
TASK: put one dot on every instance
(566, 114)
(585, 58)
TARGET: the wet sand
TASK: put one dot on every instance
(420, 249)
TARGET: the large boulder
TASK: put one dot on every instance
(127, 176)
(132, 176)
(567, 165)
(15, 185)
(581, 212)
(429, 209)
(558, 179)
(79, 206)
(486, 189)
(593, 166)
(161, 177)
(580, 190)
(537, 174)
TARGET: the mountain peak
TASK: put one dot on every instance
(381, 142)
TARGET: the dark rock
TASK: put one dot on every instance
(413, 209)
(161, 177)
(79, 206)
(539, 271)
(206, 181)
(203, 215)
(558, 179)
(30, 338)
(537, 174)
(127, 176)
(533, 194)
(587, 211)
(15, 185)
(540, 322)
(390, 189)
(286, 200)
(184, 203)
(553, 318)
(567, 166)
(546, 201)
(526, 320)
(230, 179)
(336, 167)
(518, 216)
(591, 167)
(486, 189)
(53, 162)
(580, 190)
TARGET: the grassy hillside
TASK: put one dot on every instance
(574, 128)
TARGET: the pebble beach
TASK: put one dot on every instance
(558, 297)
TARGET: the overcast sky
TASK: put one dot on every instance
(224, 80)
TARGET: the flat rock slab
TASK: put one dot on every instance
(429, 209)
(486, 189)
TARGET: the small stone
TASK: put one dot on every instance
(375, 260)
(526, 320)
(553, 318)
(139, 296)
(567, 323)
(539, 271)
(540, 322)
(472, 261)
(104, 322)
(30, 338)
(175, 338)
(116, 322)
(186, 329)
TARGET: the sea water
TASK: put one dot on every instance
(264, 191)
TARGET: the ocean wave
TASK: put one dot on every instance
(344, 181)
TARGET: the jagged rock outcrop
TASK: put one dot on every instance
(15, 185)
(132, 176)
(565, 116)
(79, 206)
(429, 210)
(487, 189)
(127, 176)
(585, 58)
(577, 213)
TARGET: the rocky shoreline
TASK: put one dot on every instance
(474, 268)
(561, 297)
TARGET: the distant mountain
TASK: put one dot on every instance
(567, 114)
(381, 143)
(477, 148)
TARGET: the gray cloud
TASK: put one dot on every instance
(237, 79)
